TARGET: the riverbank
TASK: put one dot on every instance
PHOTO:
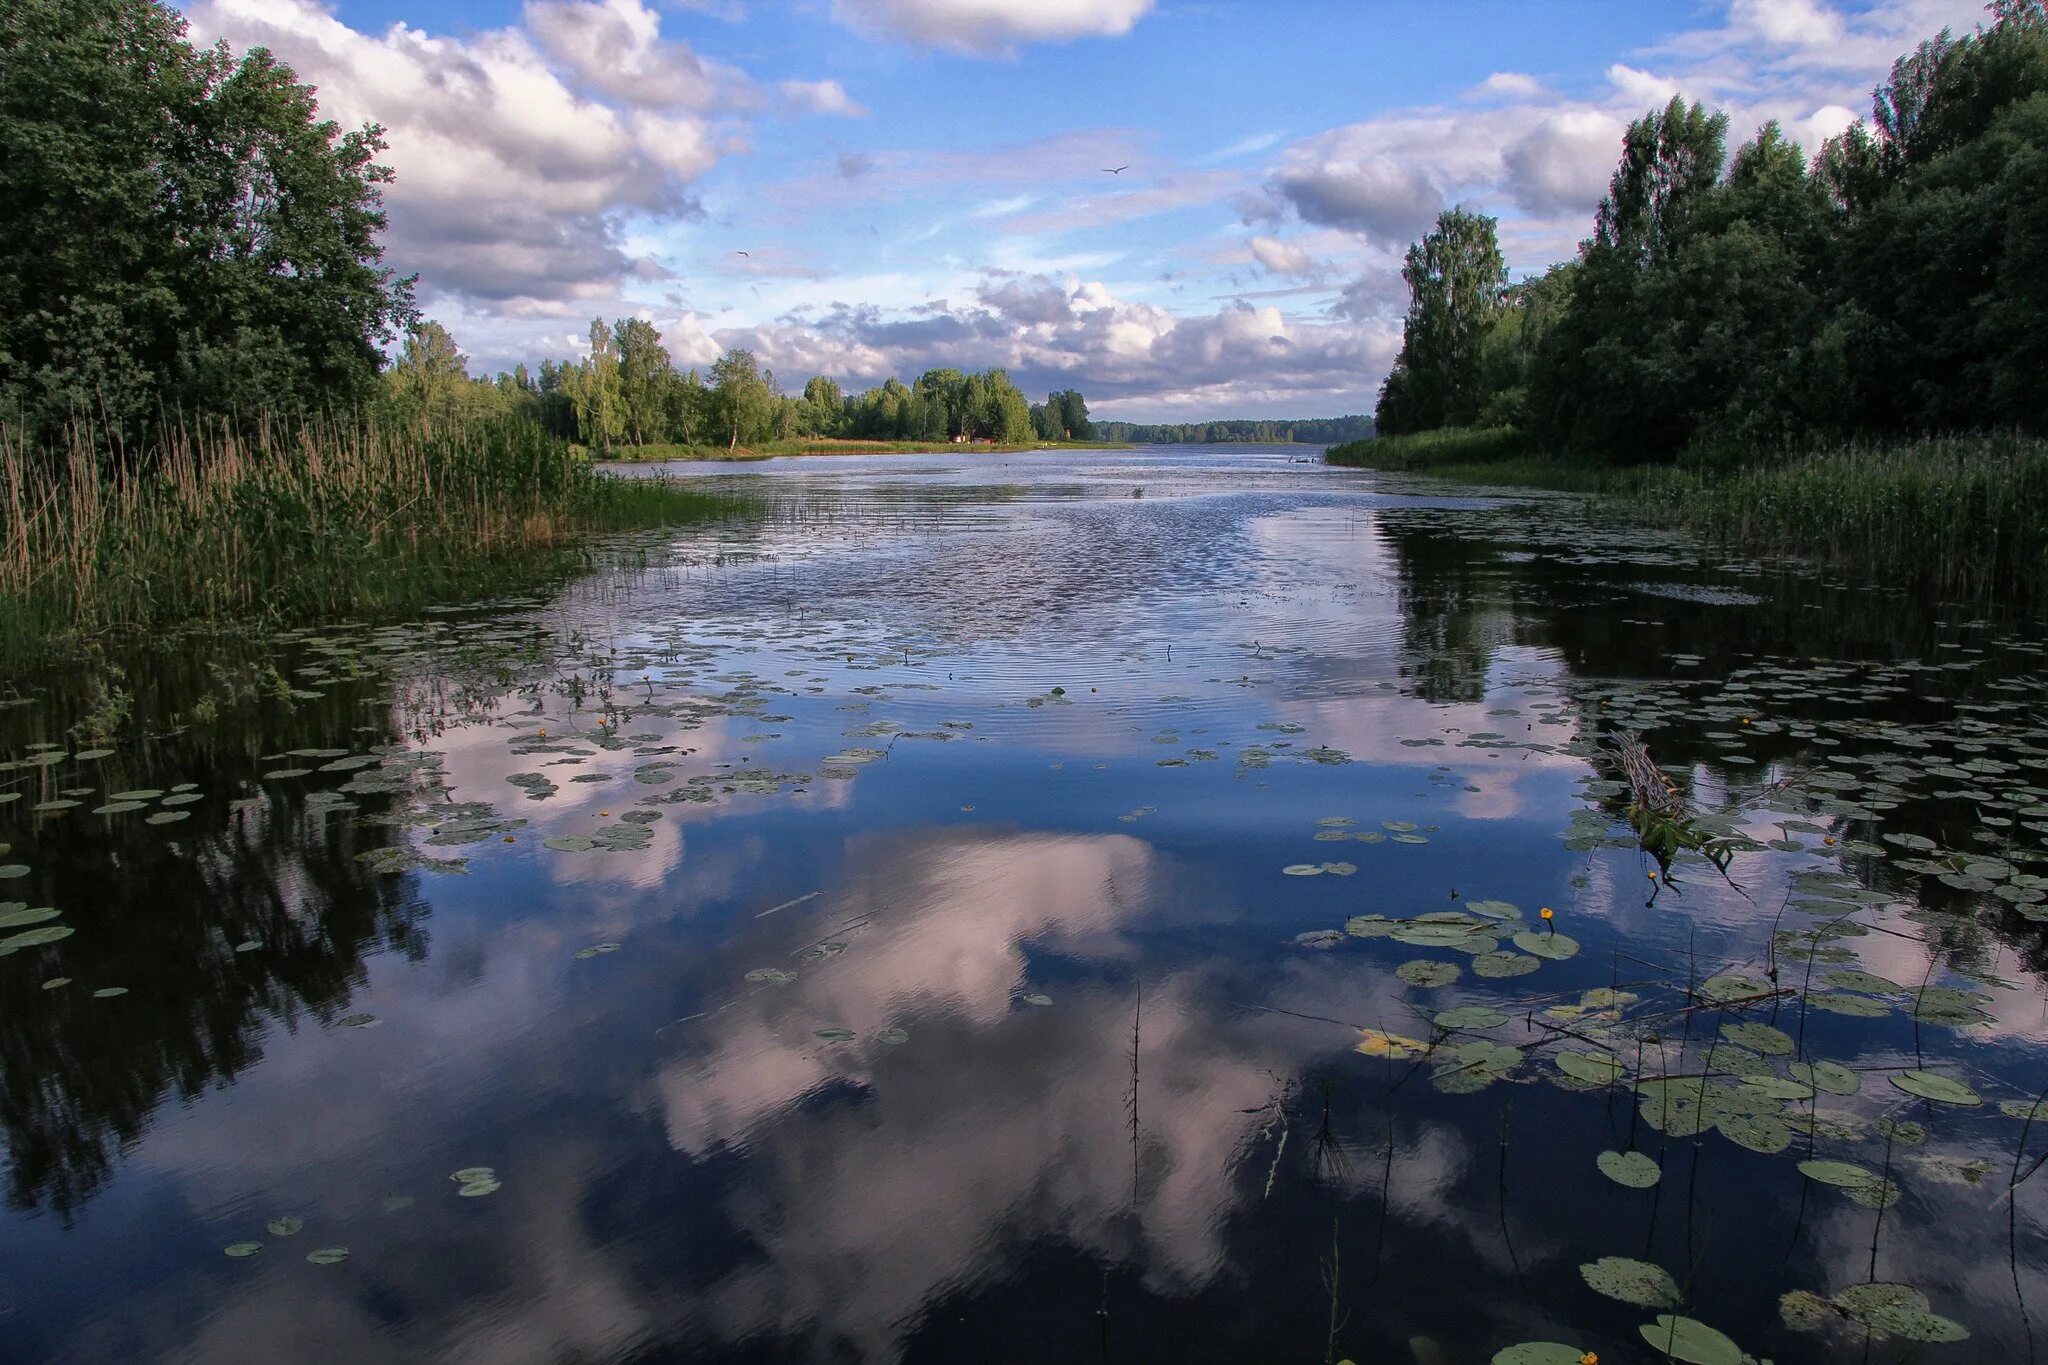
(1963, 516)
(337, 521)
(772, 450)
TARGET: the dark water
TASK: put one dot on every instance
(913, 974)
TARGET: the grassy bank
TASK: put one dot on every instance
(342, 520)
(1495, 455)
(1962, 516)
(769, 450)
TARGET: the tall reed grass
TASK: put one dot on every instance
(1425, 450)
(212, 527)
(1962, 516)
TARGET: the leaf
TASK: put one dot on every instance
(1691, 1340)
(835, 1035)
(1423, 972)
(1758, 1132)
(328, 1255)
(1631, 1281)
(1484, 1016)
(285, 1227)
(1539, 1353)
(1933, 1086)
(1842, 1174)
(1554, 946)
(1832, 1077)
(1594, 1068)
(1898, 1309)
(1392, 1045)
(239, 1250)
(35, 938)
(1772, 1042)
(1636, 1170)
(1504, 964)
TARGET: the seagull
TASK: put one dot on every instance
(1116, 170)
(739, 253)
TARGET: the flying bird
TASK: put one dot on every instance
(1116, 170)
(739, 253)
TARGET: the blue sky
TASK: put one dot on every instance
(921, 182)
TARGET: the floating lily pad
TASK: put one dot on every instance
(1594, 1068)
(1841, 1174)
(109, 992)
(1637, 1170)
(239, 1250)
(1832, 1077)
(477, 1189)
(1540, 1353)
(1758, 1132)
(894, 1037)
(1899, 1310)
(1691, 1340)
(35, 938)
(285, 1227)
(1637, 1282)
(328, 1255)
(773, 975)
(835, 1035)
(1554, 946)
(1037, 999)
(15, 915)
(1376, 1043)
(1772, 1042)
(1502, 964)
(1484, 1016)
(1934, 1086)
(1425, 973)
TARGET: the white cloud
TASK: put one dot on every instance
(990, 28)
(1284, 258)
(1640, 87)
(516, 153)
(1512, 83)
(1562, 164)
(821, 97)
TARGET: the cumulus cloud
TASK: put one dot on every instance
(821, 97)
(991, 28)
(1511, 83)
(1285, 258)
(1051, 332)
(1561, 165)
(615, 47)
(1380, 196)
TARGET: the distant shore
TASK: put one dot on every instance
(772, 450)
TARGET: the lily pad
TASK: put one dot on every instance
(1540, 1353)
(1637, 1170)
(1594, 1068)
(1425, 973)
(835, 1035)
(1631, 1281)
(1832, 1077)
(894, 1037)
(1554, 946)
(239, 1250)
(1932, 1085)
(1691, 1340)
(328, 1255)
(1037, 999)
(285, 1227)
(1485, 1016)
(1504, 964)
(1899, 1310)
(1842, 1174)
(1772, 1042)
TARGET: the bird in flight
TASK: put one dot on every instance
(1116, 170)
(739, 253)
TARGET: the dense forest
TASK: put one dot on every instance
(1308, 430)
(628, 391)
(1726, 307)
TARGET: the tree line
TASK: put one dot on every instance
(628, 391)
(1306, 430)
(1896, 284)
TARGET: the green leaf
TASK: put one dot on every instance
(1933, 1086)
(1539, 1353)
(1691, 1340)
(1636, 1170)
(1637, 1282)
(1898, 1309)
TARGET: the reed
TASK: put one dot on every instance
(1428, 450)
(1960, 516)
(212, 527)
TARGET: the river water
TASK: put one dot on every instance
(974, 912)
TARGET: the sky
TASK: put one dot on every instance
(866, 188)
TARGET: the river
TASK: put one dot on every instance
(975, 911)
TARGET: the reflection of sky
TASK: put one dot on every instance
(691, 1171)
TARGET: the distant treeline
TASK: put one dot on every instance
(1732, 307)
(628, 391)
(1307, 430)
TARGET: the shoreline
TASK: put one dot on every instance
(778, 450)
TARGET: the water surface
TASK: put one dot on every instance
(933, 922)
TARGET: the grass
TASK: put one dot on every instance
(1965, 516)
(215, 529)
(1961, 516)
(768, 450)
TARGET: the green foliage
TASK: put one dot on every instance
(1425, 450)
(1895, 287)
(1284, 431)
(241, 531)
(1455, 276)
(182, 231)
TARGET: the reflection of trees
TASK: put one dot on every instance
(159, 910)
(1457, 608)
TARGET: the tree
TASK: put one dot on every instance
(181, 230)
(823, 408)
(1455, 277)
(1066, 417)
(430, 373)
(742, 397)
(644, 374)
